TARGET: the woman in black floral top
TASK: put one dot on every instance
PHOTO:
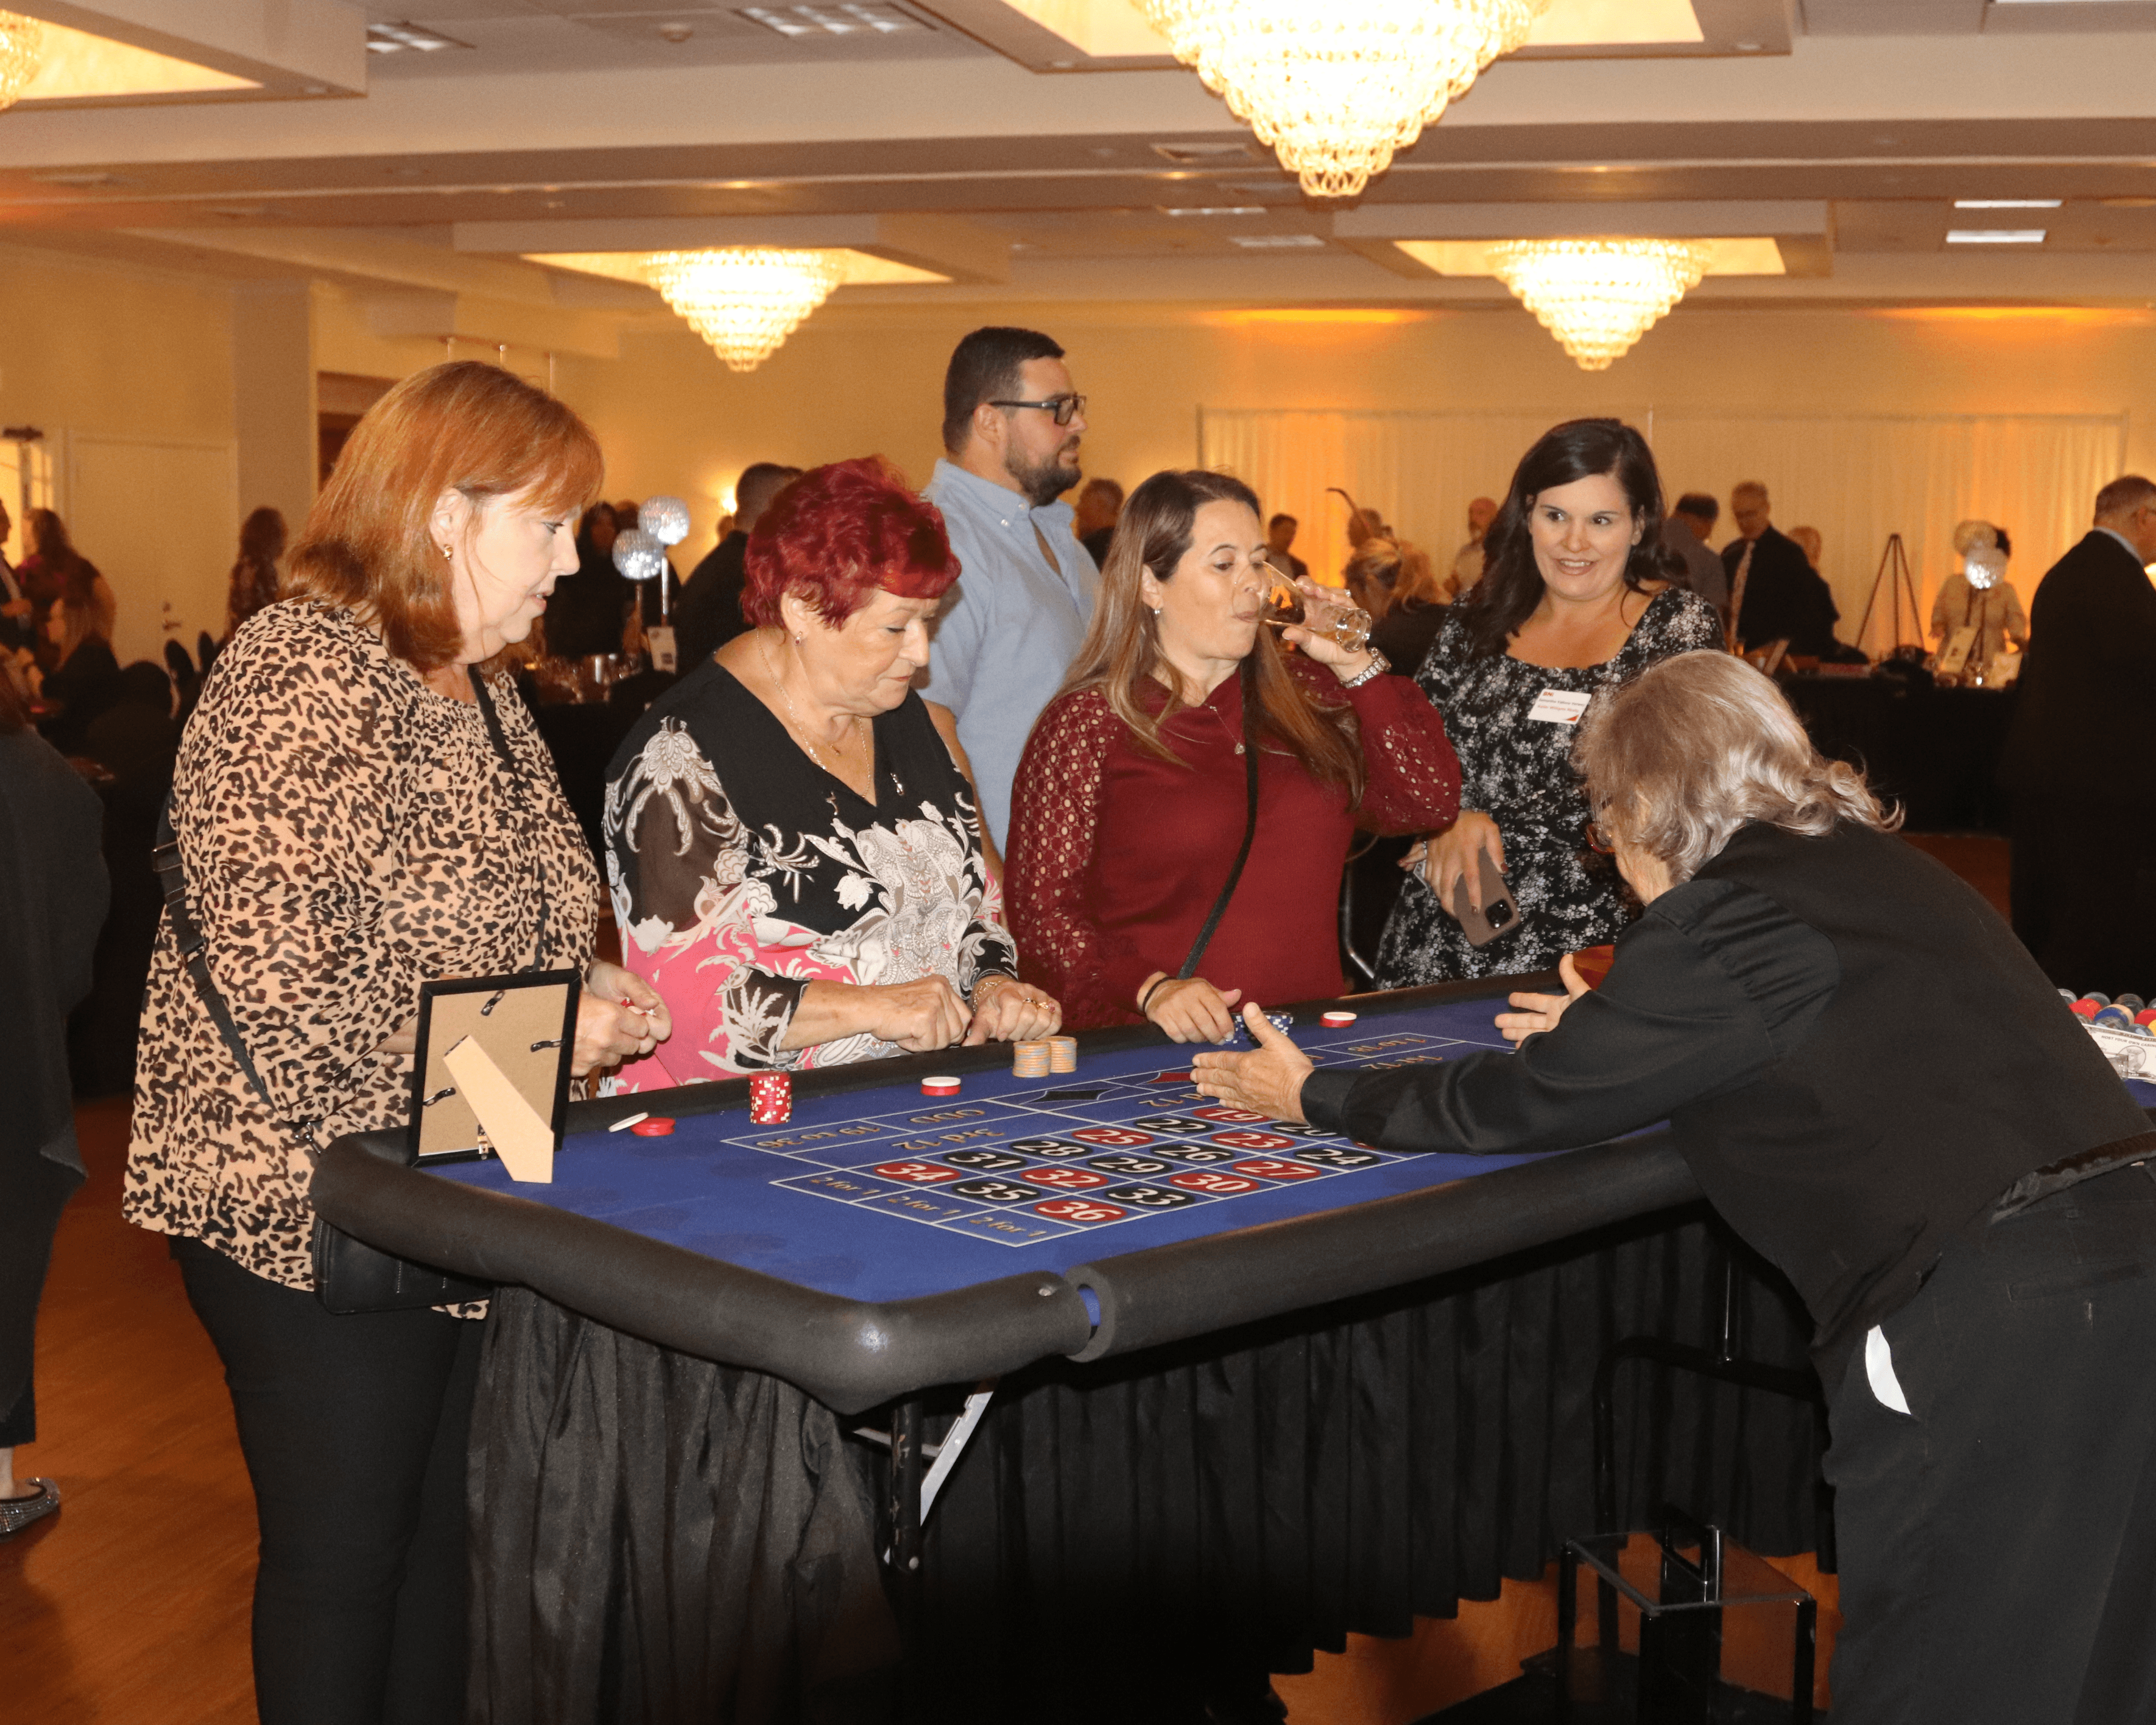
(794, 848)
(1569, 605)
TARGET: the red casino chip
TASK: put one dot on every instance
(770, 1099)
(658, 1126)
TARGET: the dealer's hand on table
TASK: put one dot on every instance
(1008, 1010)
(619, 1017)
(1189, 1009)
(1444, 859)
(1532, 1012)
(1267, 1080)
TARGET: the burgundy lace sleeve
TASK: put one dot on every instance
(1056, 814)
(1412, 783)
(1413, 777)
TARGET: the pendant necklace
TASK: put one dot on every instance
(800, 730)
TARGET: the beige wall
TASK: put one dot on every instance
(129, 374)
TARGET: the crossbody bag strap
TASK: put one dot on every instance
(194, 947)
(483, 697)
(1249, 818)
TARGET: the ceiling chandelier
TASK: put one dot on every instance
(1336, 88)
(1599, 296)
(21, 40)
(745, 300)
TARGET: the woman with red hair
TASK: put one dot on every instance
(361, 808)
(795, 846)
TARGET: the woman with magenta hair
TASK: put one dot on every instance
(796, 853)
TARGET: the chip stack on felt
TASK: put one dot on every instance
(1029, 1060)
(770, 1099)
(1063, 1054)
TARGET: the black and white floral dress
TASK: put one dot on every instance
(742, 872)
(1518, 770)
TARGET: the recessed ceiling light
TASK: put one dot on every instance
(2008, 203)
(1995, 236)
(395, 39)
(846, 18)
(1219, 209)
(1274, 242)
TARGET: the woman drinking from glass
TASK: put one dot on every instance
(1136, 783)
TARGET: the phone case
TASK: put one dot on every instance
(1490, 912)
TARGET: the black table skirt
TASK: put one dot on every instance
(661, 1539)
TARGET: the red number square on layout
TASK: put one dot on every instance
(1219, 1185)
(1268, 1170)
(920, 1173)
(1069, 1179)
(1086, 1211)
(1242, 1139)
(1122, 1134)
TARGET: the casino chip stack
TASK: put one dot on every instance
(770, 1099)
(1030, 1060)
(1063, 1054)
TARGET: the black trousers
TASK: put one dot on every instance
(354, 1429)
(2083, 892)
(31, 1200)
(1998, 1541)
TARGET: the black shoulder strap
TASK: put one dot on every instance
(194, 948)
(1250, 679)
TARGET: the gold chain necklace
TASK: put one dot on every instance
(800, 730)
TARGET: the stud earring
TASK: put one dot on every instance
(446, 551)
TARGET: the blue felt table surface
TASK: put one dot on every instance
(804, 1202)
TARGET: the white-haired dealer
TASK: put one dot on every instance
(1878, 1089)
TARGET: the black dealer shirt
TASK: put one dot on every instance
(1855, 1054)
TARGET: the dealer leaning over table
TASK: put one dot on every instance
(1956, 1194)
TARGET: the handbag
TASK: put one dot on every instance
(350, 1276)
(1250, 678)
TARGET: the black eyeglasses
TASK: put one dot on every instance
(1066, 408)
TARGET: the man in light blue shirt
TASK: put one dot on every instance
(1008, 630)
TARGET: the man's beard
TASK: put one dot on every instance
(1043, 484)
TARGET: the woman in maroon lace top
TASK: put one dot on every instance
(1130, 799)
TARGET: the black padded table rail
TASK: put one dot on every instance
(854, 1354)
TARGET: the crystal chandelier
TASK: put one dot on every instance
(745, 300)
(1336, 88)
(21, 40)
(1599, 296)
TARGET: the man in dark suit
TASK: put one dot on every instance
(709, 614)
(2083, 787)
(1775, 593)
(15, 609)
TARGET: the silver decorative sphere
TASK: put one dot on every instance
(665, 519)
(1983, 567)
(638, 555)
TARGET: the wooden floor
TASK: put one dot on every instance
(130, 1605)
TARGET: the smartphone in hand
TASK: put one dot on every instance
(1491, 910)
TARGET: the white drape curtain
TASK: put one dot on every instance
(1857, 480)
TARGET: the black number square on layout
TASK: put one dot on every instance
(1150, 1197)
(989, 1161)
(997, 1191)
(1124, 1163)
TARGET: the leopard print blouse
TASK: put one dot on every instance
(348, 834)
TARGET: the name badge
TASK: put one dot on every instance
(1559, 706)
